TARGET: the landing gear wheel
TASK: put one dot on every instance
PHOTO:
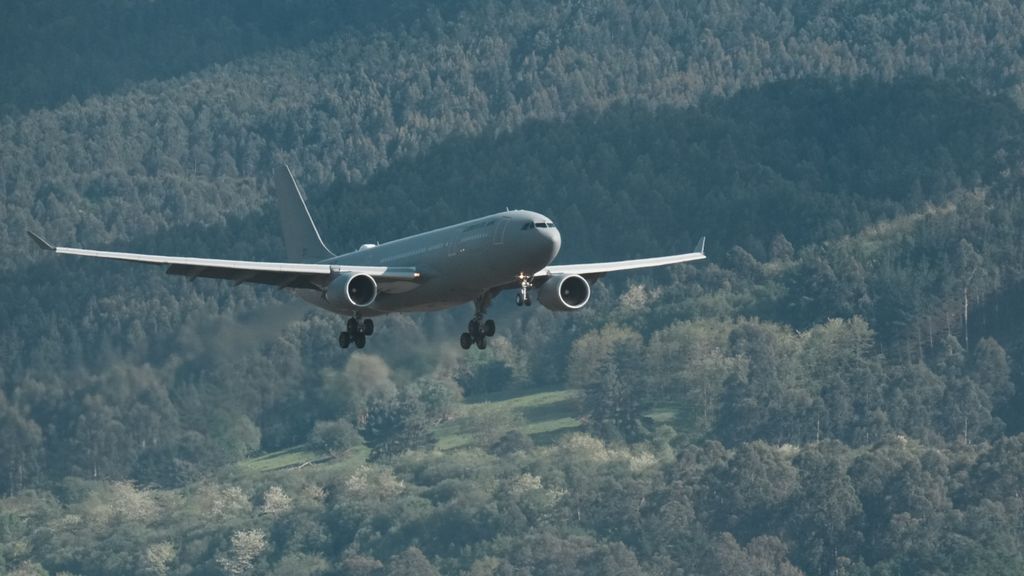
(519, 300)
(356, 331)
(479, 329)
(528, 301)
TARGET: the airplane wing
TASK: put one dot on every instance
(280, 274)
(597, 269)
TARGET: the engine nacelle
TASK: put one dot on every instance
(351, 290)
(564, 292)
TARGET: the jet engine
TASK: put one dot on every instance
(351, 290)
(564, 292)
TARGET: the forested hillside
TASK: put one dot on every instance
(833, 391)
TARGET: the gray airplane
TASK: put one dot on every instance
(468, 262)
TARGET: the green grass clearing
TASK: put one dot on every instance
(484, 418)
(544, 415)
(280, 460)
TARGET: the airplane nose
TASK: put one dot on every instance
(552, 240)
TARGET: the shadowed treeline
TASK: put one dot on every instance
(55, 51)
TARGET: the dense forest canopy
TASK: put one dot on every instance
(834, 391)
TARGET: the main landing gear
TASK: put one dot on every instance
(478, 333)
(356, 331)
(479, 329)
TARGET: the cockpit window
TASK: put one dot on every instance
(532, 225)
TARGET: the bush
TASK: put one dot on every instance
(334, 436)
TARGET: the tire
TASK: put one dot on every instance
(489, 328)
(465, 340)
(474, 328)
(368, 327)
(352, 326)
(360, 340)
(481, 342)
(344, 340)
(519, 299)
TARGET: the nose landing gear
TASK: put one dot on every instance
(356, 331)
(523, 297)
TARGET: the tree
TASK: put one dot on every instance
(825, 519)
(607, 365)
(975, 278)
(687, 362)
(21, 440)
(762, 556)
(365, 381)
(411, 562)
(969, 409)
(246, 546)
(998, 474)
(157, 558)
(751, 494)
(300, 564)
(990, 369)
(849, 375)
(275, 501)
(395, 426)
(771, 399)
(334, 437)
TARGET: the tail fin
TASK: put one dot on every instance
(301, 240)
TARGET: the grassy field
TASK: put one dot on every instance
(544, 415)
(281, 460)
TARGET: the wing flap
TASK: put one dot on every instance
(279, 279)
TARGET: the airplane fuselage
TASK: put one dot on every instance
(458, 263)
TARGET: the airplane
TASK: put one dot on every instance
(471, 261)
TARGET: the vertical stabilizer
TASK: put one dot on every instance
(301, 240)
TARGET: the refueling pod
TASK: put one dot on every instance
(564, 292)
(351, 290)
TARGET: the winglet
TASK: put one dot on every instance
(41, 242)
(700, 245)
